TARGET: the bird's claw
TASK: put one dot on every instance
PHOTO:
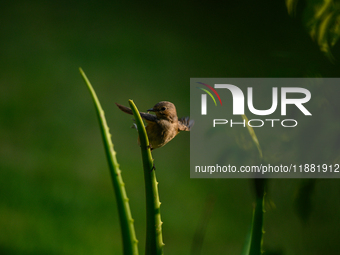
(149, 147)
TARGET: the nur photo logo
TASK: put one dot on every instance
(295, 96)
(204, 97)
(264, 128)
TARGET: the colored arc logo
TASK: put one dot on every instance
(207, 91)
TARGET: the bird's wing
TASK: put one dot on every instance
(148, 117)
(185, 124)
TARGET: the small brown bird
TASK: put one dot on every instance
(164, 126)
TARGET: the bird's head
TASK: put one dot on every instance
(165, 110)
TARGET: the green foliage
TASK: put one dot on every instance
(256, 237)
(253, 136)
(126, 222)
(322, 20)
(154, 240)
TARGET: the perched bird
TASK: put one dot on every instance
(164, 126)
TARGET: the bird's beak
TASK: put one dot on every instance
(151, 110)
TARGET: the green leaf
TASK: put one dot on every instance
(254, 240)
(154, 240)
(126, 222)
(253, 136)
(321, 18)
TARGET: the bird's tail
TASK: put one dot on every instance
(124, 108)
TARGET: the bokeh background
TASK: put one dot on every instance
(56, 195)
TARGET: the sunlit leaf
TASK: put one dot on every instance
(253, 136)
(291, 6)
(322, 20)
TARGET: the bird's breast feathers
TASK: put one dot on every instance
(161, 132)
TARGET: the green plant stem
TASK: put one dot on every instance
(126, 222)
(154, 240)
(254, 246)
(257, 227)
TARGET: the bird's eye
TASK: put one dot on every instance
(163, 109)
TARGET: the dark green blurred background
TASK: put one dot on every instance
(56, 195)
